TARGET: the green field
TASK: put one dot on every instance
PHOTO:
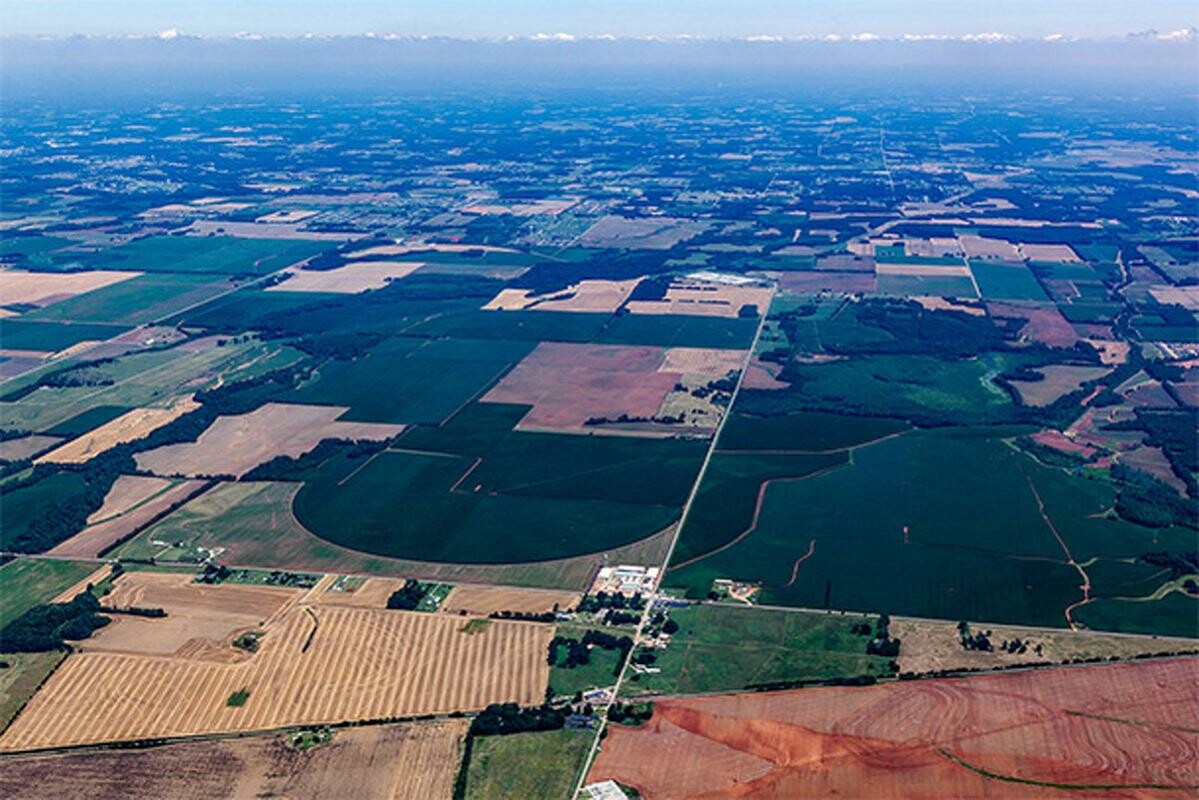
(28, 582)
(406, 380)
(728, 648)
(1003, 281)
(543, 764)
(976, 546)
(804, 431)
(597, 673)
(136, 301)
(50, 337)
(24, 675)
(213, 254)
(933, 285)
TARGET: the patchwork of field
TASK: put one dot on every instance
(357, 276)
(132, 425)
(234, 445)
(390, 762)
(251, 524)
(701, 297)
(133, 502)
(315, 664)
(649, 233)
(1126, 730)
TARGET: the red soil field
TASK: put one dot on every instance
(849, 282)
(1122, 731)
(1043, 322)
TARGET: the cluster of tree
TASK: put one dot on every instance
(914, 329)
(630, 713)
(660, 623)
(645, 657)
(578, 650)
(408, 596)
(776, 686)
(1019, 646)
(50, 626)
(1179, 564)
(340, 345)
(861, 629)
(1145, 500)
(501, 719)
(594, 602)
(136, 611)
(621, 618)
(980, 641)
(287, 468)
(623, 419)
(213, 573)
(1173, 430)
(70, 375)
(882, 644)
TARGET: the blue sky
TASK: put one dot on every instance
(498, 18)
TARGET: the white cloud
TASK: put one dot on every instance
(763, 38)
(168, 34)
(990, 36)
(1181, 35)
(865, 37)
(552, 37)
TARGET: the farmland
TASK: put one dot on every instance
(29, 582)
(1028, 734)
(543, 764)
(315, 665)
(390, 762)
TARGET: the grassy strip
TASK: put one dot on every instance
(1080, 786)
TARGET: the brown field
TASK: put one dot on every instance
(43, 288)
(950, 304)
(315, 665)
(1129, 727)
(839, 282)
(201, 620)
(1110, 351)
(587, 295)
(646, 233)
(234, 445)
(931, 645)
(350, 279)
(1185, 296)
(126, 492)
(388, 762)
(567, 384)
(982, 247)
(26, 446)
(705, 298)
(129, 426)
(485, 600)
(932, 247)
(1043, 322)
(1060, 379)
(1049, 252)
(922, 269)
(371, 594)
(108, 526)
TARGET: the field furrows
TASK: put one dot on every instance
(361, 664)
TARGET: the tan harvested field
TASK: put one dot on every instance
(936, 270)
(26, 446)
(385, 762)
(1185, 296)
(201, 621)
(812, 282)
(587, 295)
(705, 298)
(485, 600)
(934, 645)
(950, 304)
(932, 247)
(711, 361)
(315, 665)
(126, 492)
(110, 528)
(1119, 731)
(982, 247)
(1110, 351)
(128, 427)
(43, 288)
(1063, 253)
(526, 209)
(234, 445)
(373, 593)
(646, 233)
(355, 277)
(1060, 379)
